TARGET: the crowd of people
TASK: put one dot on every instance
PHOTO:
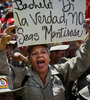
(57, 71)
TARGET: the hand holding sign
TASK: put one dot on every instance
(88, 27)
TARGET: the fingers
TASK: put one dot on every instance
(17, 56)
(4, 40)
(14, 36)
(0, 25)
(88, 25)
(9, 28)
(88, 22)
(6, 36)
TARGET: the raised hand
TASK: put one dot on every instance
(88, 27)
(6, 36)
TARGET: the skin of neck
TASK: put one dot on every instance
(43, 75)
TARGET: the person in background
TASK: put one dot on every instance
(12, 48)
(15, 55)
(56, 57)
(1, 16)
(9, 19)
(19, 55)
(56, 54)
(9, 49)
(8, 4)
(72, 50)
(81, 82)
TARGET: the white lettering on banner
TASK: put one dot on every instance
(46, 21)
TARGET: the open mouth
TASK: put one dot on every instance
(41, 63)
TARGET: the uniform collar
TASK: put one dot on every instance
(33, 74)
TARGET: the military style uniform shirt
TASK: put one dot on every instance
(53, 88)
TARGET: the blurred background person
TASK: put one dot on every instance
(57, 54)
(81, 82)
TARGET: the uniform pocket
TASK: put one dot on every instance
(57, 89)
(57, 85)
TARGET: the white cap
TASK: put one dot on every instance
(59, 47)
(12, 42)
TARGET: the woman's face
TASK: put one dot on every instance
(56, 55)
(39, 59)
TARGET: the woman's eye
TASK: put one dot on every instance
(34, 54)
(43, 52)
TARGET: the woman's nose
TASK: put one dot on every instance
(39, 54)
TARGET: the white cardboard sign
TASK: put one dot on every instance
(46, 21)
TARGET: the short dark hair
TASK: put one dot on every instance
(30, 48)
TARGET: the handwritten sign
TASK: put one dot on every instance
(46, 21)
